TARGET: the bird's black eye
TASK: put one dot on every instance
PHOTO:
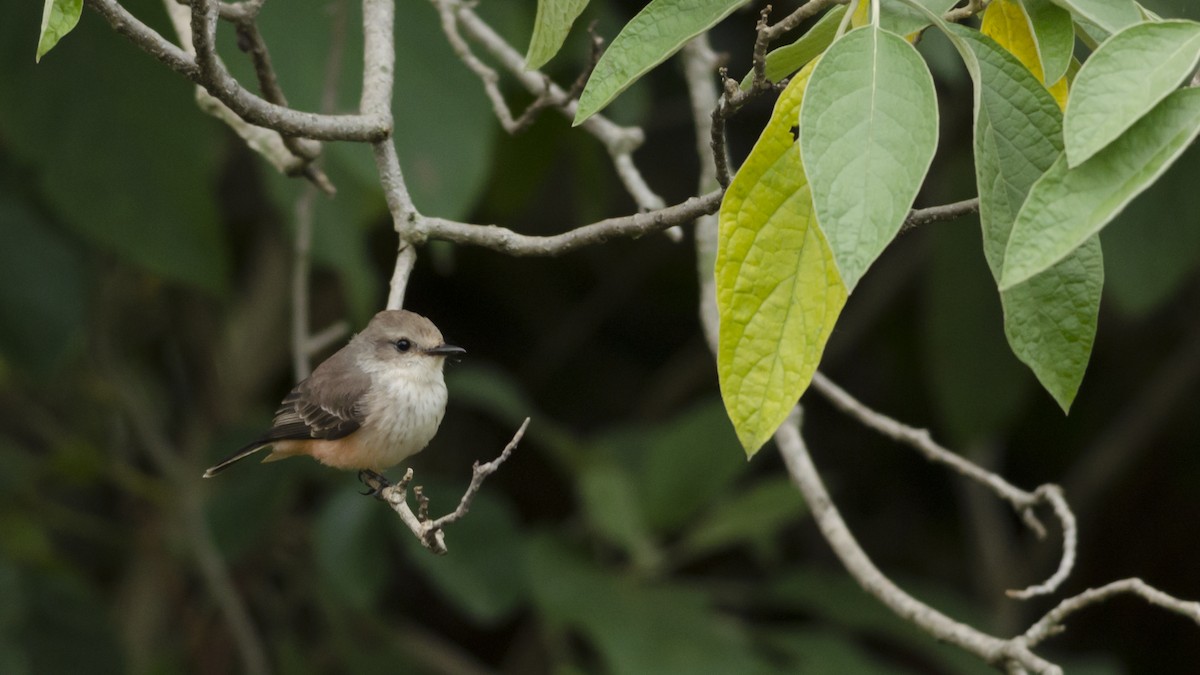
(402, 345)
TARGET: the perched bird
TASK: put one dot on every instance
(374, 403)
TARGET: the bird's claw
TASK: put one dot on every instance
(374, 482)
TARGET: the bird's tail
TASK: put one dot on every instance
(245, 452)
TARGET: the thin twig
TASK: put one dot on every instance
(248, 106)
(512, 243)
(250, 41)
(431, 533)
(972, 8)
(1051, 623)
(944, 212)
(991, 649)
(1024, 503)
(619, 141)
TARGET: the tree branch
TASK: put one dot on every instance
(1051, 624)
(515, 244)
(431, 532)
(619, 141)
(221, 84)
(991, 649)
(1024, 503)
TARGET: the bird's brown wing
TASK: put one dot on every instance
(328, 405)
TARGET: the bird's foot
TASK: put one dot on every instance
(374, 482)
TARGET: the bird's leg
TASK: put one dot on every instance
(375, 483)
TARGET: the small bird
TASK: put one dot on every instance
(374, 403)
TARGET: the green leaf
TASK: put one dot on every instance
(550, 28)
(1110, 15)
(166, 223)
(1069, 205)
(657, 32)
(778, 288)
(1007, 22)
(612, 506)
(43, 290)
(749, 517)
(684, 464)
(896, 16)
(788, 59)
(1055, 35)
(1127, 76)
(58, 18)
(350, 551)
(1050, 320)
(635, 627)
(868, 132)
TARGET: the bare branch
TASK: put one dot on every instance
(619, 141)
(146, 38)
(699, 60)
(789, 22)
(513, 243)
(991, 649)
(1024, 503)
(431, 532)
(972, 8)
(246, 10)
(221, 84)
(944, 212)
(1051, 623)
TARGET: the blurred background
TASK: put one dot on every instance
(145, 277)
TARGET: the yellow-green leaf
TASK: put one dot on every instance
(1006, 22)
(778, 288)
(58, 18)
(550, 28)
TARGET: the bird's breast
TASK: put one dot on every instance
(403, 412)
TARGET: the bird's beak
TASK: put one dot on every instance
(445, 350)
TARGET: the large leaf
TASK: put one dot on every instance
(43, 290)
(1055, 35)
(350, 548)
(58, 18)
(550, 28)
(868, 132)
(657, 32)
(1006, 22)
(1127, 76)
(1050, 320)
(752, 516)
(778, 288)
(151, 201)
(636, 627)
(896, 16)
(1110, 15)
(1069, 205)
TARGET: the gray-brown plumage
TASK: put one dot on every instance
(375, 402)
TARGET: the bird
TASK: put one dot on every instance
(372, 404)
